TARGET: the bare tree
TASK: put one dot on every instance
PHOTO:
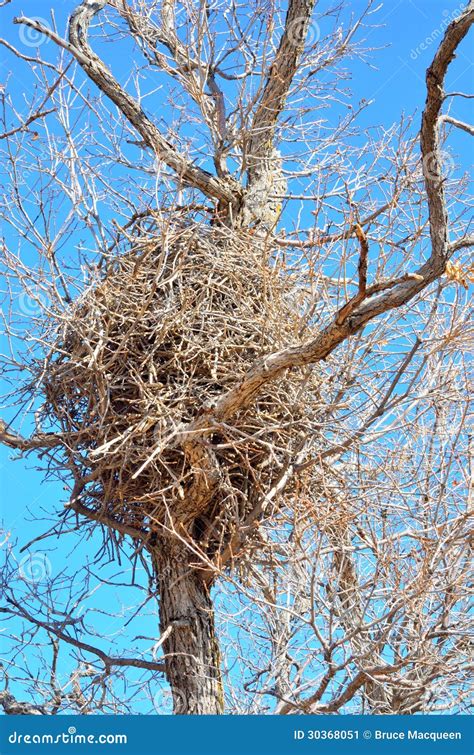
(273, 419)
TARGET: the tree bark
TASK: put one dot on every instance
(191, 649)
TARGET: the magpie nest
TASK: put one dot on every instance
(167, 328)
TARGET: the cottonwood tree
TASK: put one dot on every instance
(246, 361)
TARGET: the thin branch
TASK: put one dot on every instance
(28, 122)
(330, 238)
(40, 113)
(102, 518)
(459, 94)
(362, 272)
(78, 46)
(461, 243)
(108, 660)
(19, 443)
(459, 124)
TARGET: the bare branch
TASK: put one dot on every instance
(24, 126)
(12, 706)
(459, 124)
(330, 238)
(348, 308)
(282, 72)
(461, 243)
(18, 442)
(78, 46)
(430, 149)
(107, 660)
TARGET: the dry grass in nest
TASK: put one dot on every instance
(173, 324)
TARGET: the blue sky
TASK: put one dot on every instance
(406, 35)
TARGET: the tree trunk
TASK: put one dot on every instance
(191, 649)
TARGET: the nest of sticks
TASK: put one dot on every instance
(169, 326)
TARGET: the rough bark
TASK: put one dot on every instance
(187, 621)
(13, 707)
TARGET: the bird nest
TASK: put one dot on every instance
(170, 326)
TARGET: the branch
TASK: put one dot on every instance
(78, 46)
(401, 291)
(206, 478)
(27, 58)
(31, 119)
(19, 443)
(430, 150)
(461, 243)
(282, 72)
(330, 238)
(459, 124)
(100, 517)
(348, 308)
(194, 73)
(459, 94)
(13, 707)
(106, 659)
(40, 113)
(261, 506)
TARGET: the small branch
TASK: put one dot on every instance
(19, 443)
(31, 119)
(13, 707)
(364, 252)
(459, 124)
(329, 238)
(40, 113)
(459, 94)
(27, 58)
(348, 308)
(78, 46)
(101, 518)
(461, 243)
(108, 660)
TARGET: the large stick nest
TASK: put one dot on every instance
(171, 325)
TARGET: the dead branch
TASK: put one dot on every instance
(78, 46)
